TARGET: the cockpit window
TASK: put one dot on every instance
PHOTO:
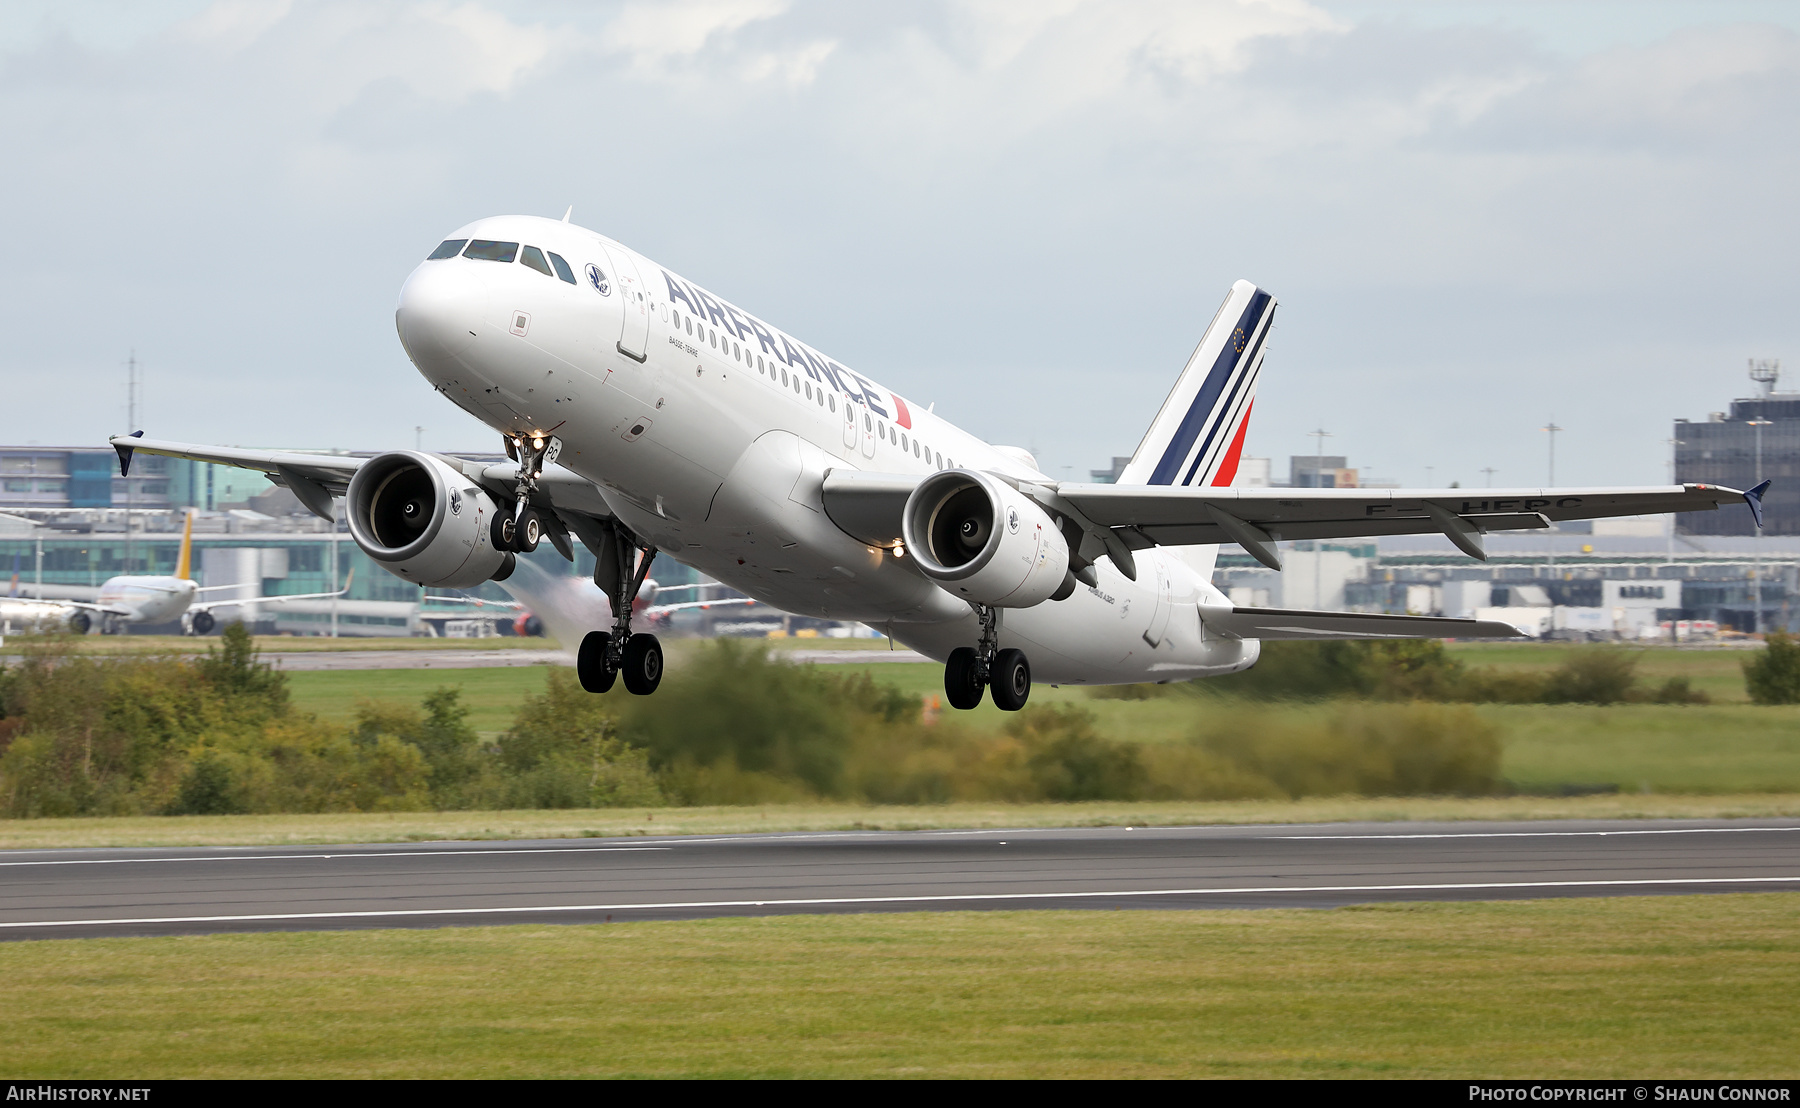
(487, 250)
(534, 258)
(449, 248)
(562, 268)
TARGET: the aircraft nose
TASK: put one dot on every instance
(440, 310)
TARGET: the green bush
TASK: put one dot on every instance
(564, 750)
(1367, 749)
(1772, 674)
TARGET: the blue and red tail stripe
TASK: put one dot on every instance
(1198, 437)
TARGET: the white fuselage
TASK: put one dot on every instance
(146, 599)
(707, 431)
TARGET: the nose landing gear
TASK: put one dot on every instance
(969, 670)
(606, 656)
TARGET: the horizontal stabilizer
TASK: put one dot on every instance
(1282, 623)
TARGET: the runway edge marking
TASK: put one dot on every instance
(823, 902)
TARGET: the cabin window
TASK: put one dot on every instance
(689, 322)
(784, 376)
(809, 391)
(940, 461)
(534, 258)
(880, 430)
(487, 250)
(449, 248)
(834, 403)
(712, 338)
(903, 442)
(736, 353)
(563, 272)
(797, 384)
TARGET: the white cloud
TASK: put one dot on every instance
(655, 34)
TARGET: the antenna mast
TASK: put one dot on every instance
(132, 386)
(1765, 372)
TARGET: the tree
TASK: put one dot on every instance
(1772, 675)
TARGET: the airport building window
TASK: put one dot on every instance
(449, 248)
(534, 258)
(487, 250)
(563, 271)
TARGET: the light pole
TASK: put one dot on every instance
(1318, 553)
(1490, 471)
(1552, 428)
(1674, 445)
(1756, 581)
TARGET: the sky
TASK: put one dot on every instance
(1478, 218)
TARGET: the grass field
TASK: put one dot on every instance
(566, 823)
(1678, 987)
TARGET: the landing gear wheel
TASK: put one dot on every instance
(590, 662)
(527, 532)
(962, 679)
(203, 623)
(1011, 679)
(642, 666)
(502, 532)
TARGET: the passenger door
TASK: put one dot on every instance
(634, 332)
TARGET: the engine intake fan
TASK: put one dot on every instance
(424, 521)
(983, 540)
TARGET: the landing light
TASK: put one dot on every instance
(537, 444)
(900, 551)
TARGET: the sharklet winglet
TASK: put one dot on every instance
(1754, 498)
(125, 453)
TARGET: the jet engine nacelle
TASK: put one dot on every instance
(424, 521)
(983, 540)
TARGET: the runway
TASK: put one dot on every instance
(72, 893)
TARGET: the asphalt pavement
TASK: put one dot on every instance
(70, 893)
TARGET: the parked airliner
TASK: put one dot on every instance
(647, 416)
(142, 599)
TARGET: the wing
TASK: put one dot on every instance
(1280, 623)
(566, 500)
(1121, 518)
(259, 600)
(661, 609)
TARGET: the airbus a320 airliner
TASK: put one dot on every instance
(646, 416)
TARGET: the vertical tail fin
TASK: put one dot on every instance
(1198, 436)
(185, 563)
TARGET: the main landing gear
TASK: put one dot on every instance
(972, 669)
(524, 529)
(635, 656)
